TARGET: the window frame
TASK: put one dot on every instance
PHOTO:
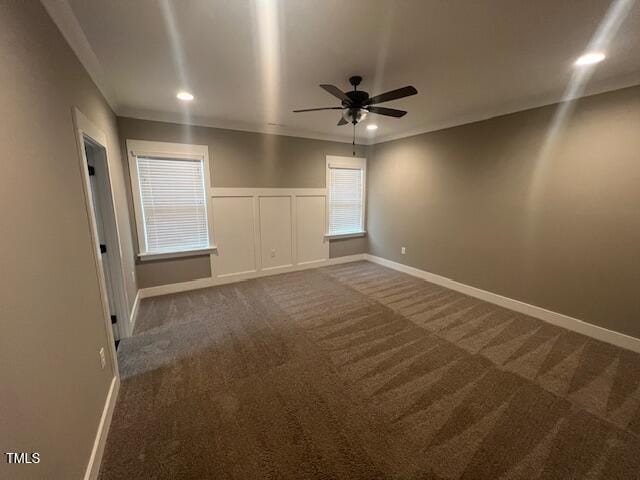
(172, 151)
(349, 163)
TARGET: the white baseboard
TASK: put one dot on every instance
(134, 314)
(559, 319)
(239, 277)
(175, 287)
(570, 323)
(93, 467)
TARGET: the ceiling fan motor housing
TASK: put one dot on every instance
(357, 97)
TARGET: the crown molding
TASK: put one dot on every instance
(199, 121)
(617, 83)
(62, 15)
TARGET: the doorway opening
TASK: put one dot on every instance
(101, 214)
(102, 204)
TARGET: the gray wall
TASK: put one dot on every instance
(52, 387)
(238, 159)
(479, 204)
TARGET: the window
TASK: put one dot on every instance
(345, 196)
(169, 183)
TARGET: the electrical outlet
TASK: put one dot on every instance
(103, 360)
(403, 250)
(273, 253)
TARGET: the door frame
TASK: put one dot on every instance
(84, 128)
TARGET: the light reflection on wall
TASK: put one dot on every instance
(600, 41)
(179, 60)
(267, 34)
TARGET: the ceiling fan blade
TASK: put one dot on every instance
(390, 112)
(336, 92)
(393, 95)
(342, 121)
(316, 109)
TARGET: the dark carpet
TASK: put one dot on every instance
(356, 371)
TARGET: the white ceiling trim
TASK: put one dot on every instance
(479, 116)
(62, 15)
(515, 107)
(231, 125)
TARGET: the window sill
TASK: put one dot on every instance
(329, 236)
(179, 253)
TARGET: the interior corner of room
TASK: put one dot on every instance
(410, 241)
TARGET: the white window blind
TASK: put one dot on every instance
(345, 200)
(173, 203)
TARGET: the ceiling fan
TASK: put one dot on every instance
(357, 104)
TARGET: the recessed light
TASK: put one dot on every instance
(184, 96)
(372, 127)
(590, 58)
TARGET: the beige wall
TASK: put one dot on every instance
(173, 270)
(52, 387)
(347, 246)
(238, 159)
(478, 204)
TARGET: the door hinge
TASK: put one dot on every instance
(114, 319)
(103, 248)
(92, 171)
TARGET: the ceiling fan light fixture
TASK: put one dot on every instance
(372, 126)
(354, 115)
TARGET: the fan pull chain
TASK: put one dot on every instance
(354, 140)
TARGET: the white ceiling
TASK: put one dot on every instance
(250, 62)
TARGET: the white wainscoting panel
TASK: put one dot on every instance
(234, 231)
(267, 230)
(310, 225)
(276, 226)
